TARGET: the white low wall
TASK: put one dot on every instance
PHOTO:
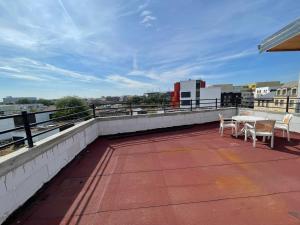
(115, 125)
(22, 173)
(294, 124)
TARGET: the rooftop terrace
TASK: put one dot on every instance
(185, 176)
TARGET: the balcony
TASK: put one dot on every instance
(176, 169)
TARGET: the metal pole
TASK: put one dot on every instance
(191, 104)
(216, 103)
(94, 110)
(27, 129)
(287, 104)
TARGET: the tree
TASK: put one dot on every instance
(45, 102)
(25, 101)
(80, 105)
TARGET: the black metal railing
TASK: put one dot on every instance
(102, 110)
(281, 104)
(58, 122)
(131, 109)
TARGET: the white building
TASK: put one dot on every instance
(201, 96)
(260, 91)
(209, 95)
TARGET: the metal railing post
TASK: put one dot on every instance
(94, 110)
(27, 129)
(216, 103)
(287, 104)
(191, 104)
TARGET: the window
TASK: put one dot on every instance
(185, 102)
(276, 102)
(281, 102)
(198, 94)
(263, 103)
(292, 103)
(186, 94)
(258, 103)
(294, 91)
(278, 93)
(284, 92)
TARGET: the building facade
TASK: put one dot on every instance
(230, 99)
(286, 98)
(194, 93)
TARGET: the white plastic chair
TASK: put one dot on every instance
(264, 128)
(227, 123)
(284, 125)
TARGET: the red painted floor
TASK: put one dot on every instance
(184, 177)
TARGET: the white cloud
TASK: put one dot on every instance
(147, 16)
(194, 70)
(25, 77)
(127, 82)
(148, 19)
(39, 71)
(145, 13)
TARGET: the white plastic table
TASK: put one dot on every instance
(246, 119)
(249, 119)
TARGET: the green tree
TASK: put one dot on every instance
(25, 101)
(45, 102)
(71, 102)
(136, 100)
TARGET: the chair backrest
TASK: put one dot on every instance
(246, 113)
(287, 118)
(265, 126)
(221, 118)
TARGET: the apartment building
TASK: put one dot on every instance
(265, 102)
(261, 91)
(240, 93)
(288, 93)
(194, 91)
(282, 99)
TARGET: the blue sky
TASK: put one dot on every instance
(91, 48)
